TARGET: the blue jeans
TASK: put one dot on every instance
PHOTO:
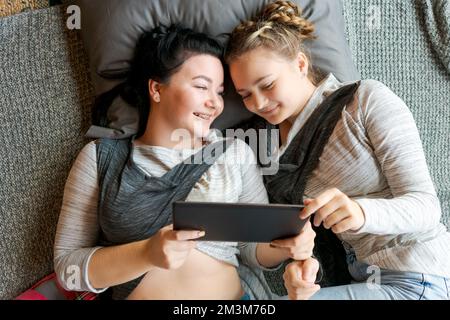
(246, 296)
(373, 283)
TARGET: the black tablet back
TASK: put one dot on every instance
(238, 221)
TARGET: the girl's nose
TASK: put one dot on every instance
(211, 103)
(260, 102)
(214, 102)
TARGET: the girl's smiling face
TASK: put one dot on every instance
(192, 98)
(272, 86)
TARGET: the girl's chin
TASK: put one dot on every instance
(275, 120)
(201, 132)
(274, 117)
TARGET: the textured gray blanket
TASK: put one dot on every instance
(45, 102)
(437, 24)
(46, 96)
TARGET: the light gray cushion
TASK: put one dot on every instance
(111, 28)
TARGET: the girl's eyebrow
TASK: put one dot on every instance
(256, 82)
(203, 77)
(206, 79)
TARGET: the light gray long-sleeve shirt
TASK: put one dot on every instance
(375, 156)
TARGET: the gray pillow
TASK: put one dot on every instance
(110, 29)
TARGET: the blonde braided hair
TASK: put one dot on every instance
(280, 27)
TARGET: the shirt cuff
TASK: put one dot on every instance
(319, 275)
(366, 207)
(275, 268)
(86, 274)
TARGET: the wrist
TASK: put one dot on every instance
(146, 250)
(281, 254)
(269, 256)
(361, 218)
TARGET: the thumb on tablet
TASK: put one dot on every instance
(182, 235)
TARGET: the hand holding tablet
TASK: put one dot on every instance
(239, 222)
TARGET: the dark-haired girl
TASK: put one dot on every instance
(115, 226)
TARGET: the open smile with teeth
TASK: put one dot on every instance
(203, 116)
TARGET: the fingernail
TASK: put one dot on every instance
(201, 233)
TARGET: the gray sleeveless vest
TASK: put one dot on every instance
(132, 205)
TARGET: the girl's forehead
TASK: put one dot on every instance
(201, 65)
(260, 56)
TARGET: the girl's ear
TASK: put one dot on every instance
(303, 63)
(154, 88)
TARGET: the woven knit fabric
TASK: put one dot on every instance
(390, 43)
(437, 25)
(46, 96)
(45, 102)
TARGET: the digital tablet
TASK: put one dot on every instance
(238, 221)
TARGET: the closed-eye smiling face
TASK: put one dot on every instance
(269, 84)
(192, 99)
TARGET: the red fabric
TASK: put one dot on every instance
(33, 294)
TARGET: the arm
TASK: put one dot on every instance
(101, 267)
(77, 230)
(77, 236)
(396, 142)
(167, 249)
